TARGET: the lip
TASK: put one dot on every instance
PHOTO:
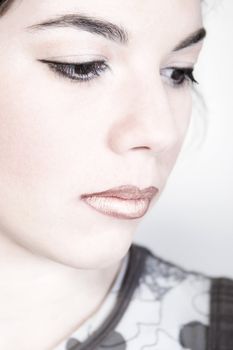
(126, 192)
(123, 202)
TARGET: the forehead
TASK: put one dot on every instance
(153, 19)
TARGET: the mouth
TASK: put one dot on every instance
(123, 202)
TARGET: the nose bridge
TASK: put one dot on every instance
(153, 114)
(145, 117)
(152, 99)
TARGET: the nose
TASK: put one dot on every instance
(146, 120)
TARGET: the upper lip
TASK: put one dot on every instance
(126, 192)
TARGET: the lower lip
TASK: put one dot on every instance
(119, 208)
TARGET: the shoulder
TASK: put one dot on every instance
(168, 306)
(172, 273)
(157, 267)
(165, 305)
(175, 287)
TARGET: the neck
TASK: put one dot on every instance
(35, 290)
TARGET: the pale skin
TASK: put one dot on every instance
(60, 138)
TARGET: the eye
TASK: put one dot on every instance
(179, 76)
(80, 72)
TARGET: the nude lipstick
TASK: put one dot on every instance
(123, 202)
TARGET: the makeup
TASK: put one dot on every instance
(124, 202)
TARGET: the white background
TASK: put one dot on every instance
(192, 223)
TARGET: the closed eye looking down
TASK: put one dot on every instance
(86, 71)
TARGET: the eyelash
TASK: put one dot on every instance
(86, 71)
(79, 72)
(184, 75)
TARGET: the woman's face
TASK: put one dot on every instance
(62, 135)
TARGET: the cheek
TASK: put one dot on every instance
(39, 137)
(49, 138)
(181, 110)
(181, 107)
(51, 131)
(24, 143)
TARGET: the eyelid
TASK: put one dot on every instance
(187, 75)
(73, 58)
(88, 70)
(172, 68)
(66, 70)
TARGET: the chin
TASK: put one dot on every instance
(96, 252)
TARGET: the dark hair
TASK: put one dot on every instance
(4, 5)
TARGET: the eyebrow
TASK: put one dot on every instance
(93, 25)
(192, 39)
(106, 29)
